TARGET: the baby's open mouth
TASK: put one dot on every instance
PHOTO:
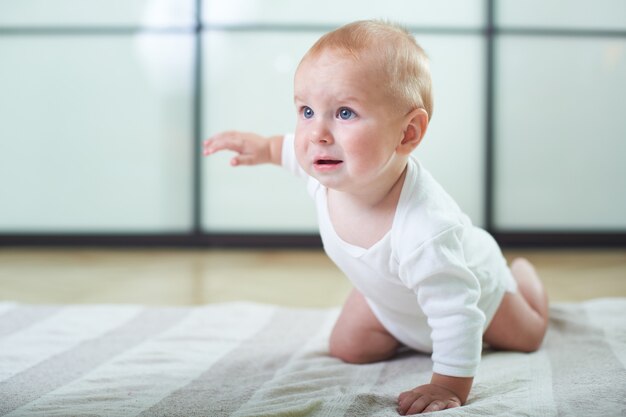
(328, 162)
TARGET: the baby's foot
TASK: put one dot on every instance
(530, 285)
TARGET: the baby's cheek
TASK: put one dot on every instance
(301, 153)
(364, 159)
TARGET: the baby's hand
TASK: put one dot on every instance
(251, 148)
(426, 398)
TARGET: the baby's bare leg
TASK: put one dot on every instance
(358, 336)
(522, 318)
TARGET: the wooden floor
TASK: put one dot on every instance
(303, 278)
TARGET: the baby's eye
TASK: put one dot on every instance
(345, 113)
(307, 112)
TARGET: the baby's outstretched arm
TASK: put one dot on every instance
(442, 393)
(251, 149)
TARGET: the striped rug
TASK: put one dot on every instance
(245, 359)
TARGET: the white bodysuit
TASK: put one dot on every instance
(434, 280)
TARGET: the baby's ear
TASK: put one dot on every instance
(416, 123)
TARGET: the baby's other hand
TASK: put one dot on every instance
(251, 148)
(427, 398)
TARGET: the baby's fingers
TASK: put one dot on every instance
(411, 402)
(415, 402)
(231, 141)
(440, 405)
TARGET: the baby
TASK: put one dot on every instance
(423, 275)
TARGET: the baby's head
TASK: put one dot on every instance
(388, 49)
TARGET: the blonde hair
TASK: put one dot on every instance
(395, 52)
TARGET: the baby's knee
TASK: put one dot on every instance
(349, 354)
(374, 348)
(530, 345)
(534, 339)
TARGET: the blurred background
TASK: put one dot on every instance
(104, 104)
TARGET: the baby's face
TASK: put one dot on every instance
(347, 130)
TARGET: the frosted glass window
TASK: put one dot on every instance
(95, 133)
(581, 14)
(153, 13)
(453, 148)
(248, 85)
(560, 134)
(465, 13)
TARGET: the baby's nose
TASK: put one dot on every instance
(322, 136)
